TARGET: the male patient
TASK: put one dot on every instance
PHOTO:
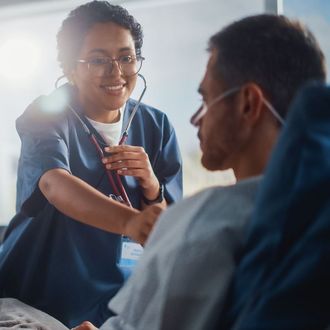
(256, 65)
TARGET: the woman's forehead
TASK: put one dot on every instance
(108, 38)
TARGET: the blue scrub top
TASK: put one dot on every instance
(48, 260)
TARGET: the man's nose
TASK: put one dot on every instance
(197, 117)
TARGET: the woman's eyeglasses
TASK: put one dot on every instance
(101, 66)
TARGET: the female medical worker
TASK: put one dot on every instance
(65, 267)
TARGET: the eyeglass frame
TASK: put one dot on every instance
(111, 60)
(204, 107)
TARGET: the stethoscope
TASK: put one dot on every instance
(120, 194)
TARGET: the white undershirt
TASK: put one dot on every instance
(111, 132)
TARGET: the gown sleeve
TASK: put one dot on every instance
(44, 146)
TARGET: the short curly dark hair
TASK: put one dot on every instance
(80, 20)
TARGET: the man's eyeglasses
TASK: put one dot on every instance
(100, 66)
(195, 119)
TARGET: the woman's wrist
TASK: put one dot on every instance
(158, 199)
(152, 192)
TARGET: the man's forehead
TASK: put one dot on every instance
(211, 78)
(213, 59)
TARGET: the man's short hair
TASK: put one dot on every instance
(278, 54)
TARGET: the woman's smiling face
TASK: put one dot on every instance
(99, 95)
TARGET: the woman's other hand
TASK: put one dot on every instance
(85, 326)
(139, 227)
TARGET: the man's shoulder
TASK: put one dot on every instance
(212, 210)
(230, 195)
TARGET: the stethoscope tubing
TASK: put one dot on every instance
(121, 192)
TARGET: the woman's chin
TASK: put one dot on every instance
(114, 103)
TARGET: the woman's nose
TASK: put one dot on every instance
(114, 69)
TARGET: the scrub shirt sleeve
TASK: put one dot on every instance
(44, 147)
(168, 167)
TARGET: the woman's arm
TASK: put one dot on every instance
(80, 201)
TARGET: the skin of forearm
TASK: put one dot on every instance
(80, 201)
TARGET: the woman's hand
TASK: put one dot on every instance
(133, 161)
(139, 226)
(85, 326)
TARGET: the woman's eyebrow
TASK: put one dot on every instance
(105, 52)
(98, 50)
(125, 49)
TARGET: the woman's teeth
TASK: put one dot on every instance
(113, 88)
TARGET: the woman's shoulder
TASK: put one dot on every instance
(149, 114)
(45, 111)
(145, 109)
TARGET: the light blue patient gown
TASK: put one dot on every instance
(48, 260)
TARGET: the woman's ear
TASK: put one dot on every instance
(251, 103)
(71, 75)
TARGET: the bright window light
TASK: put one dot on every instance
(19, 59)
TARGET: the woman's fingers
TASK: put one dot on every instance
(126, 164)
(138, 173)
(133, 161)
(129, 160)
(119, 153)
(125, 156)
(123, 148)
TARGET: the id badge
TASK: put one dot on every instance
(130, 253)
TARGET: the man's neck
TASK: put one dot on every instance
(255, 157)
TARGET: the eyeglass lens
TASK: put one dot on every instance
(106, 67)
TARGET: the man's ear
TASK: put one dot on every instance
(251, 103)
